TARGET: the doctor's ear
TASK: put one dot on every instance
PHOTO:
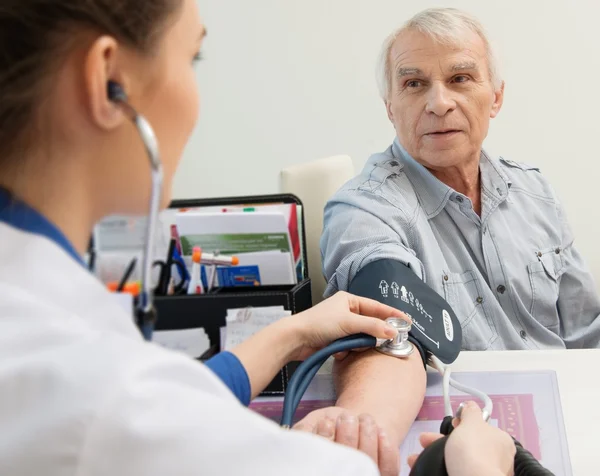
(105, 83)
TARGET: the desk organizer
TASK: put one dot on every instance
(209, 310)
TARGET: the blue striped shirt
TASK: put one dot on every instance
(512, 275)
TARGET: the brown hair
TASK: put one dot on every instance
(34, 35)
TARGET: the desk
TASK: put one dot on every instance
(579, 386)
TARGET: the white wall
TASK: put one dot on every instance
(287, 81)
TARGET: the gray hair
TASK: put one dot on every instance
(445, 25)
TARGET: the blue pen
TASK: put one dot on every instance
(177, 256)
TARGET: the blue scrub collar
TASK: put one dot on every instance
(19, 215)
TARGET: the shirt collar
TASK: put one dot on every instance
(19, 215)
(434, 194)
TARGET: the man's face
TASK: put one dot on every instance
(441, 98)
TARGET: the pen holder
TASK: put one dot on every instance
(209, 311)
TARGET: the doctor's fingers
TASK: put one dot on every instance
(371, 308)
(368, 437)
(356, 324)
(389, 456)
(326, 428)
(346, 430)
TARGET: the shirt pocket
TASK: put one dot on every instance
(463, 292)
(544, 277)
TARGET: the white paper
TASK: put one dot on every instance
(275, 267)
(124, 232)
(247, 227)
(245, 322)
(222, 336)
(198, 223)
(118, 239)
(192, 342)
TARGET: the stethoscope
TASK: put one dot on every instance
(431, 460)
(145, 312)
(399, 347)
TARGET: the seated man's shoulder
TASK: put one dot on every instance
(527, 178)
(382, 181)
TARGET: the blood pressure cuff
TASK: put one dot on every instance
(435, 326)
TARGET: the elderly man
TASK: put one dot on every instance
(488, 234)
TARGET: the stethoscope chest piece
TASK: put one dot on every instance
(399, 346)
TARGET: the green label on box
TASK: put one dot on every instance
(236, 243)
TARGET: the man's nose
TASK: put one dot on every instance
(439, 100)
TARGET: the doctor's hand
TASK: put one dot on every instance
(474, 447)
(361, 433)
(339, 316)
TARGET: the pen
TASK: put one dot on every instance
(165, 272)
(126, 276)
(92, 255)
(175, 236)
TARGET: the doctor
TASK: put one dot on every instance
(80, 391)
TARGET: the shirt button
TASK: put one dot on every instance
(459, 199)
(539, 253)
(523, 334)
(499, 190)
(479, 299)
(446, 277)
(501, 289)
(557, 251)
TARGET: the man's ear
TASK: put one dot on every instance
(498, 101)
(388, 108)
(100, 67)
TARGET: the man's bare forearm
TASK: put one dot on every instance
(390, 389)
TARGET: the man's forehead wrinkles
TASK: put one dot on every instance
(406, 60)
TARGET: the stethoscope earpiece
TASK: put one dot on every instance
(116, 92)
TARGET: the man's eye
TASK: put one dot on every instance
(460, 79)
(413, 83)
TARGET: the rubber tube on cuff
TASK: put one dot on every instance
(446, 427)
(307, 370)
(527, 465)
(305, 383)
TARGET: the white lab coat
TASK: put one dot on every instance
(81, 393)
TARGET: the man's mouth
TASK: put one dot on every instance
(442, 132)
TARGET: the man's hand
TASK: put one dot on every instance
(361, 433)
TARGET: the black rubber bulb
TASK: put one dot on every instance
(431, 461)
